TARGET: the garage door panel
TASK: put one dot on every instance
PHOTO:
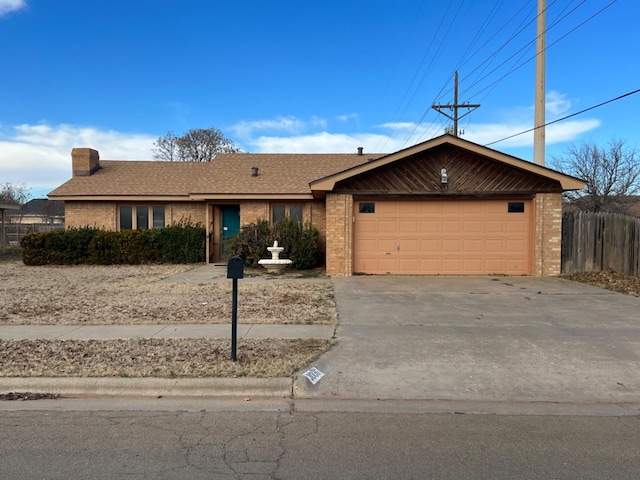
(473, 266)
(388, 264)
(367, 227)
(472, 226)
(431, 246)
(518, 226)
(409, 246)
(408, 226)
(494, 226)
(387, 226)
(387, 245)
(430, 226)
(515, 246)
(494, 246)
(443, 237)
(451, 226)
(473, 246)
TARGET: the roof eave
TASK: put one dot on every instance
(567, 182)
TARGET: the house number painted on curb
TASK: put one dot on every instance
(313, 375)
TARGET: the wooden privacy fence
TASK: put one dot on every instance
(13, 232)
(593, 242)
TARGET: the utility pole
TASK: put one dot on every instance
(454, 107)
(539, 121)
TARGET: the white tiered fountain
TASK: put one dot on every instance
(275, 264)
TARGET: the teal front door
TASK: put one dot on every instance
(229, 225)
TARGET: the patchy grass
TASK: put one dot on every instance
(157, 357)
(609, 280)
(101, 295)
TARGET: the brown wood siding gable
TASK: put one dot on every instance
(467, 173)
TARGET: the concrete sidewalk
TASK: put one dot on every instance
(157, 387)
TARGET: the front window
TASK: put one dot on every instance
(141, 217)
(280, 211)
(158, 216)
(126, 218)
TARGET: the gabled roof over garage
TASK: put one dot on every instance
(470, 169)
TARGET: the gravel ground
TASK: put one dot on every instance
(99, 295)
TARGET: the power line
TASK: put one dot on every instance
(513, 69)
(564, 118)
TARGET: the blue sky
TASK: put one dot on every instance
(293, 76)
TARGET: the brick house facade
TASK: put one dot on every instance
(445, 206)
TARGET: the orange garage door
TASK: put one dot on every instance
(442, 237)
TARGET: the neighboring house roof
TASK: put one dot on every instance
(44, 207)
(9, 206)
(228, 174)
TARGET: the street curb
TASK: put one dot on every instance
(248, 387)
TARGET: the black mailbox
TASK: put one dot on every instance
(235, 268)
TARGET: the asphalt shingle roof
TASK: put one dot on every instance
(228, 173)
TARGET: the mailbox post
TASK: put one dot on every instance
(235, 270)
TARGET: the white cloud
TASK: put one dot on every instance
(40, 155)
(559, 132)
(8, 6)
(321, 142)
(289, 124)
(403, 126)
(556, 103)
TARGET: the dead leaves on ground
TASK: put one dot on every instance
(157, 357)
(609, 280)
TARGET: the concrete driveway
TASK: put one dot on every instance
(518, 339)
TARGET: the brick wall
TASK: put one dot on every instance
(90, 214)
(339, 232)
(318, 218)
(251, 212)
(185, 211)
(548, 234)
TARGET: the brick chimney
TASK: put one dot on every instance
(84, 161)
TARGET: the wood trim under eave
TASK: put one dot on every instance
(567, 182)
(239, 196)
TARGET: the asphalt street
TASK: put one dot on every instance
(290, 444)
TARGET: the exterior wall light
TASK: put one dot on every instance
(443, 176)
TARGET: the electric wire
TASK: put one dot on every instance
(546, 48)
(564, 118)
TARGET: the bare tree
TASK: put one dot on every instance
(197, 145)
(612, 175)
(14, 194)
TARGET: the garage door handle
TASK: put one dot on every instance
(398, 247)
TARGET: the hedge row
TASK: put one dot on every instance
(179, 243)
(300, 243)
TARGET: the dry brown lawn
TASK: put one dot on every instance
(157, 357)
(100, 295)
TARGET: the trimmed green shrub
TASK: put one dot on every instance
(104, 249)
(181, 243)
(59, 247)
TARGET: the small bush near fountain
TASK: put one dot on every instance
(300, 243)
